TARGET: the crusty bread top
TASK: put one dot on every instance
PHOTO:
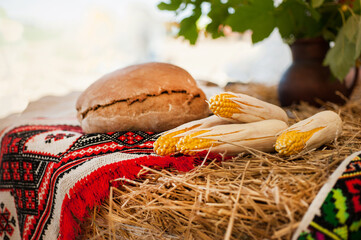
(135, 83)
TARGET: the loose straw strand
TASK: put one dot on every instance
(234, 210)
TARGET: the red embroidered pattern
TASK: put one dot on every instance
(34, 160)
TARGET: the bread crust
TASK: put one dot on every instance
(147, 97)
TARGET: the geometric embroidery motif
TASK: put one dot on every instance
(340, 216)
(33, 159)
(7, 222)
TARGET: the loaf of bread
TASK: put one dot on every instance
(147, 97)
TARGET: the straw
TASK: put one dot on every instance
(251, 196)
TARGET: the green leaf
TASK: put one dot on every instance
(296, 19)
(188, 26)
(172, 6)
(316, 3)
(188, 29)
(347, 48)
(314, 13)
(285, 25)
(218, 15)
(256, 16)
(341, 57)
(352, 30)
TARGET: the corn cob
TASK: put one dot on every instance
(238, 107)
(166, 143)
(310, 133)
(232, 138)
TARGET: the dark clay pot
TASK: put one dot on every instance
(308, 80)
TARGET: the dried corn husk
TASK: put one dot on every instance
(313, 132)
(232, 139)
(166, 143)
(237, 107)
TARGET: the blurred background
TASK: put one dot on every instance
(50, 47)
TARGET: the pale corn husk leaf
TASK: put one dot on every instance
(197, 124)
(249, 109)
(236, 138)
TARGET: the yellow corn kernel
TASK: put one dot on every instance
(293, 142)
(241, 108)
(190, 144)
(232, 139)
(222, 106)
(165, 144)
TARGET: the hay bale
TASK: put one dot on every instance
(252, 196)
